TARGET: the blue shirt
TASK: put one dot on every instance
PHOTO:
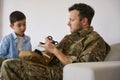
(8, 45)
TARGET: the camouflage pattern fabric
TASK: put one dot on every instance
(85, 45)
(80, 46)
(16, 69)
(1, 60)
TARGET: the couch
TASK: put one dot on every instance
(106, 70)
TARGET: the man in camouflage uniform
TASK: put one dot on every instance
(82, 45)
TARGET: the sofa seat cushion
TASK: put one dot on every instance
(109, 70)
(114, 54)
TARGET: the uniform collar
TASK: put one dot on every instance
(83, 32)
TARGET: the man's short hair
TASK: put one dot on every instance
(84, 11)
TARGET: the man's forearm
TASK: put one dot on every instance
(60, 56)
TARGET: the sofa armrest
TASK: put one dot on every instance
(92, 71)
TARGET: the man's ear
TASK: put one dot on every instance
(85, 21)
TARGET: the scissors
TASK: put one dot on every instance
(50, 38)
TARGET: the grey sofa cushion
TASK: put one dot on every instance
(114, 54)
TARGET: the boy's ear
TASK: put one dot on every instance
(11, 25)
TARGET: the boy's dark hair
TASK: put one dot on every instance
(16, 16)
(84, 11)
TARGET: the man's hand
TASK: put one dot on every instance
(49, 46)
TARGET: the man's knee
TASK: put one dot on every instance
(6, 63)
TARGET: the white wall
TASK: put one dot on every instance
(0, 19)
(49, 17)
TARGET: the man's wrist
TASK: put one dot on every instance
(55, 51)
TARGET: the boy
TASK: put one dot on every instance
(12, 44)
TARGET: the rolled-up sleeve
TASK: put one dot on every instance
(71, 59)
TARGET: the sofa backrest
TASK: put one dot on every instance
(114, 54)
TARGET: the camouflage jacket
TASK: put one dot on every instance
(84, 46)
